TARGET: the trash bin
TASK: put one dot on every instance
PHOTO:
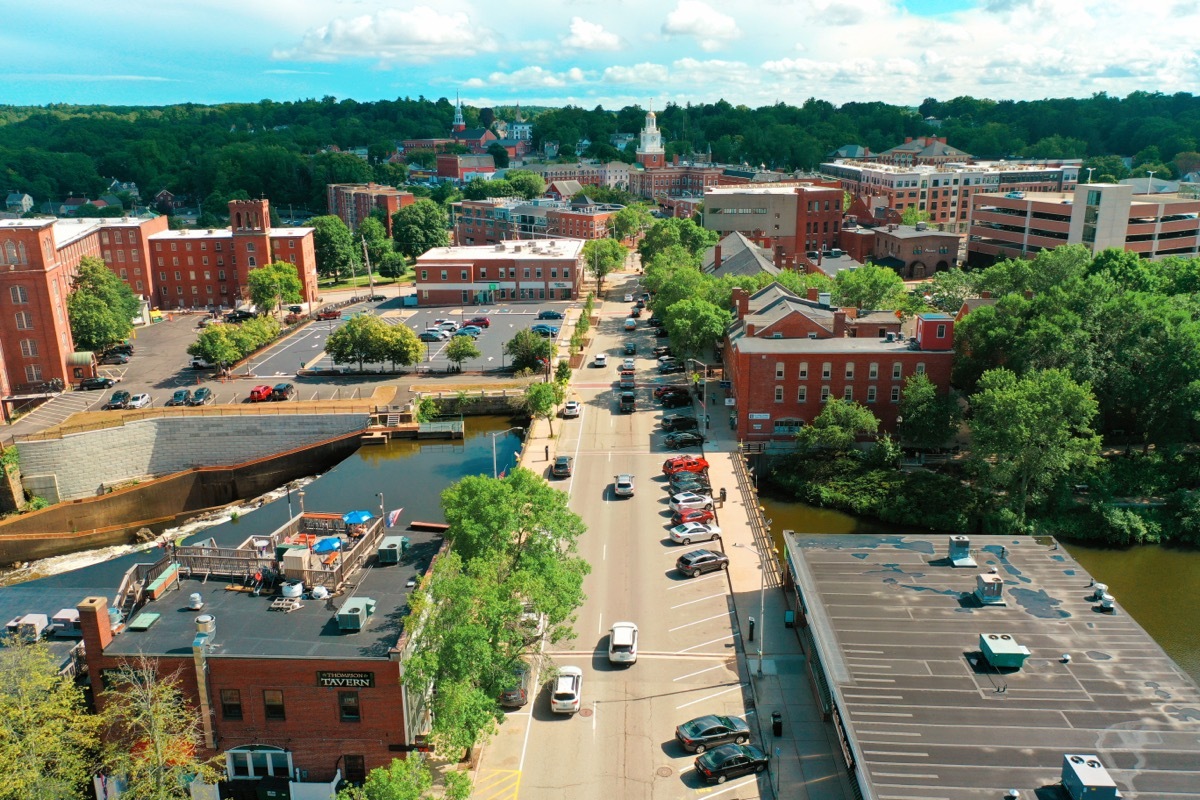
(723, 495)
(789, 619)
(777, 724)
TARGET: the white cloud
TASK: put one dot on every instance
(710, 27)
(591, 36)
(529, 78)
(639, 74)
(392, 35)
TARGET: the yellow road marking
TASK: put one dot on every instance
(497, 784)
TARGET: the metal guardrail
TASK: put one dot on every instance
(758, 523)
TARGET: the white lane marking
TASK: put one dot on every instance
(701, 672)
(604, 553)
(694, 581)
(701, 600)
(697, 622)
(714, 641)
(710, 696)
(731, 788)
(600, 625)
(594, 715)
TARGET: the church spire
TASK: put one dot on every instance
(459, 124)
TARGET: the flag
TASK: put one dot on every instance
(393, 517)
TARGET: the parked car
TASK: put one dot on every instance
(623, 485)
(711, 730)
(469, 330)
(688, 482)
(549, 314)
(683, 439)
(568, 691)
(690, 532)
(684, 464)
(544, 330)
(571, 409)
(730, 761)
(688, 500)
(670, 367)
(260, 394)
(628, 298)
(680, 422)
(627, 402)
(630, 348)
(115, 358)
(329, 313)
(628, 381)
(239, 315)
(431, 336)
(182, 397)
(656, 321)
(622, 643)
(480, 322)
(296, 309)
(661, 333)
(124, 347)
(516, 693)
(662, 350)
(447, 325)
(562, 467)
(629, 363)
(118, 400)
(202, 396)
(283, 391)
(630, 324)
(88, 384)
(662, 391)
(698, 562)
(600, 360)
(676, 400)
(692, 515)
(140, 400)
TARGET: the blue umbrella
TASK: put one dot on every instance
(357, 517)
(328, 545)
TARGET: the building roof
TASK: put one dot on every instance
(897, 630)
(912, 232)
(840, 344)
(222, 233)
(832, 265)
(926, 147)
(565, 188)
(508, 250)
(972, 303)
(739, 256)
(471, 133)
(850, 151)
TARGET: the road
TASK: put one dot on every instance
(621, 745)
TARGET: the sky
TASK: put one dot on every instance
(594, 52)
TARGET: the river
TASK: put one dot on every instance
(1155, 585)
(410, 474)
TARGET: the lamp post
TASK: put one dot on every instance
(703, 390)
(1150, 181)
(1090, 171)
(494, 435)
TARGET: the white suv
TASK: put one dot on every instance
(568, 691)
(571, 409)
(686, 500)
(622, 643)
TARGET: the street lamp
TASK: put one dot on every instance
(1150, 181)
(494, 435)
(703, 391)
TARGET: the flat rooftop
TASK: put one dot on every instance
(508, 250)
(836, 344)
(247, 627)
(928, 719)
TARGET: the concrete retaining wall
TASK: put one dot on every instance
(82, 465)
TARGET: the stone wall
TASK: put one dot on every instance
(85, 464)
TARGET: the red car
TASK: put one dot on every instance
(662, 391)
(260, 394)
(329, 313)
(692, 515)
(482, 322)
(684, 464)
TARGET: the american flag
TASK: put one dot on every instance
(393, 517)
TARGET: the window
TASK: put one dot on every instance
(895, 394)
(191, 274)
(231, 704)
(896, 369)
(870, 394)
(220, 274)
(250, 261)
(33, 373)
(802, 394)
(483, 272)
(826, 371)
(249, 247)
(348, 707)
(204, 260)
(463, 275)
(941, 331)
(848, 394)
(444, 274)
(258, 761)
(525, 273)
(178, 275)
(356, 768)
(788, 426)
(824, 394)
(273, 704)
(29, 348)
(920, 367)
(424, 274)
(873, 370)
(778, 394)
(566, 272)
(19, 294)
(778, 370)
(803, 370)
(849, 370)
(24, 321)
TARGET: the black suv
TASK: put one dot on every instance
(182, 397)
(283, 391)
(698, 562)
(87, 384)
(239, 316)
(118, 400)
(676, 400)
(680, 422)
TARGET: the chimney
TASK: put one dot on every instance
(717, 256)
(93, 621)
(907, 139)
(812, 294)
(985, 294)
(750, 329)
(675, 160)
(839, 324)
(741, 302)
(942, 139)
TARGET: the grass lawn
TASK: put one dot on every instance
(363, 280)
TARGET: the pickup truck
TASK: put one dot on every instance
(329, 313)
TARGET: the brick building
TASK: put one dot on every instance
(514, 271)
(921, 151)
(354, 202)
(786, 355)
(1015, 224)
(493, 220)
(613, 174)
(295, 689)
(913, 251)
(455, 167)
(787, 220)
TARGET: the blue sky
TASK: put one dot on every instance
(589, 52)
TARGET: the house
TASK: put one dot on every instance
(785, 356)
(457, 167)
(18, 203)
(564, 190)
(913, 251)
(737, 255)
(129, 187)
(931, 150)
(972, 303)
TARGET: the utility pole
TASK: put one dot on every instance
(367, 261)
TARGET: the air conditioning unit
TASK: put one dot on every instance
(353, 615)
(392, 549)
(65, 624)
(1002, 651)
(960, 551)
(1083, 776)
(28, 627)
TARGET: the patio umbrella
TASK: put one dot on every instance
(329, 545)
(357, 517)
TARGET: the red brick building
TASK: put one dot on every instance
(786, 355)
(494, 220)
(354, 202)
(913, 251)
(787, 220)
(513, 271)
(459, 167)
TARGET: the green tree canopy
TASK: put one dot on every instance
(911, 216)
(216, 344)
(627, 223)
(602, 257)
(364, 339)
(951, 288)
(480, 189)
(930, 417)
(274, 284)
(838, 426)
(419, 227)
(869, 287)
(499, 155)
(372, 231)
(101, 306)
(335, 249)
(695, 326)
(542, 400)
(460, 349)
(528, 351)
(525, 183)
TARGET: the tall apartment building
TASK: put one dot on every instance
(1098, 215)
(354, 202)
(494, 220)
(516, 271)
(786, 220)
(944, 191)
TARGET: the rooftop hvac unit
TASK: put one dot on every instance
(28, 627)
(392, 549)
(889, 337)
(989, 589)
(1084, 776)
(206, 623)
(1098, 591)
(353, 615)
(960, 551)
(195, 601)
(1002, 650)
(66, 623)
(825, 298)
(922, 226)
(835, 253)
(500, 247)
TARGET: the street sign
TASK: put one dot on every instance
(493, 287)
(726, 384)
(758, 415)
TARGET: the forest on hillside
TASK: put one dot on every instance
(272, 149)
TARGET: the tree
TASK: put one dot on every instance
(47, 737)
(627, 223)
(911, 216)
(868, 287)
(562, 373)
(392, 265)
(278, 282)
(499, 155)
(528, 350)
(379, 246)
(603, 256)
(364, 339)
(420, 227)
(404, 347)
(101, 306)
(525, 183)
(950, 289)
(930, 417)
(480, 189)
(838, 426)
(1028, 432)
(460, 349)
(154, 733)
(216, 345)
(695, 325)
(1186, 162)
(335, 248)
(404, 779)
(543, 399)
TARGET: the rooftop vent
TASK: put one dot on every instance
(28, 627)
(1098, 591)
(206, 623)
(1002, 650)
(960, 546)
(66, 623)
(353, 615)
(989, 589)
(391, 549)
(835, 253)
(500, 247)
(922, 226)
(1084, 776)
(195, 601)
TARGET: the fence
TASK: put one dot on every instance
(758, 523)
